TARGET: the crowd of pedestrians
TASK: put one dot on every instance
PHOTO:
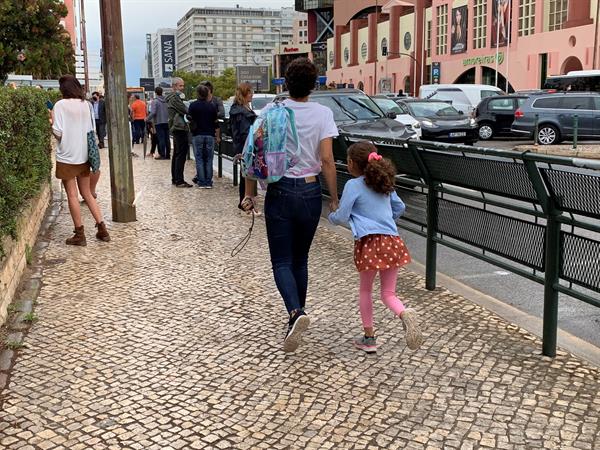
(293, 201)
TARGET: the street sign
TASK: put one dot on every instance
(436, 73)
(167, 43)
(278, 81)
(147, 84)
(256, 76)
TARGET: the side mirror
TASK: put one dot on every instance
(391, 115)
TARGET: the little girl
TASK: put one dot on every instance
(370, 204)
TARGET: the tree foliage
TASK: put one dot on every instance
(33, 27)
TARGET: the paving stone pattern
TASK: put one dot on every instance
(160, 340)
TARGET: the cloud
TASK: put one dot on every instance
(146, 16)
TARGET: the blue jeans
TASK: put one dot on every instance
(204, 148)
(162, 133)
(292, 213)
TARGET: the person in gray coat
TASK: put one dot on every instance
(180, 131)
(159, 117)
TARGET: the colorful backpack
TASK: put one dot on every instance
(265, 157)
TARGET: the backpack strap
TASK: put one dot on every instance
(292, 117)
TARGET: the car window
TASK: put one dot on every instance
(501, 104)
(388, 105)
(428, 109)
(361, 107)
(339, 115)
(261, 102)
(576, 103)
(547, 103)
(485, 93)
(521, 101)
(597, 101)
(403, 108)
(457, 96)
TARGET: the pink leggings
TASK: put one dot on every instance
(388, 294)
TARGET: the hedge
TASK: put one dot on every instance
(25, 162)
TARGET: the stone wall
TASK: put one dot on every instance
(14, 263)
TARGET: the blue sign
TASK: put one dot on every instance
(322, 80)
(278, 81)
(435, 72)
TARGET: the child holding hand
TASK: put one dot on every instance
(370, 205)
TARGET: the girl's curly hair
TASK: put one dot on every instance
(379, 174)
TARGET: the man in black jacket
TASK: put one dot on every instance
(100, 117)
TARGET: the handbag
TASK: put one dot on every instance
(92, 146)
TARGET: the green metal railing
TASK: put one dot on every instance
(531, 214)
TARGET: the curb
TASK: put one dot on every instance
(560, 150)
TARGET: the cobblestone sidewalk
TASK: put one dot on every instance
(160, 340)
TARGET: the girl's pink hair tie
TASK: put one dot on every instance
(375, 156)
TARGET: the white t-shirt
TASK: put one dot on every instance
(72, 122)
(314, 122)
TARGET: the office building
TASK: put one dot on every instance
(209, 40)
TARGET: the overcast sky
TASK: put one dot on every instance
(146, 16)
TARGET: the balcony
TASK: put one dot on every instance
(307, 5)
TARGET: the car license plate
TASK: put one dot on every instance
(458, 134)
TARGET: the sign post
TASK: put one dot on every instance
(256, 76)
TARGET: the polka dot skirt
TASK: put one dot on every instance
(380, 252)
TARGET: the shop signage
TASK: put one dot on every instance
(318, 47)
(167, 43)
(479, 60)
(291, 49)
(147, 84)
(256, 76)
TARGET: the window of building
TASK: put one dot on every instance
(557, 14)
(346, 55)
(363, 50)
(479, 23)
(428, 39)
(441, 39)
(526, 17)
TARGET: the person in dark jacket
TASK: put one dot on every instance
(100, 117)
(179, 129)
(205, 131)
(159, 117)
(215, 100)
(241, 118)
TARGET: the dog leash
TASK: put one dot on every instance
(242, 244)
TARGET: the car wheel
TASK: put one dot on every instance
(486, 132)
(548, 135)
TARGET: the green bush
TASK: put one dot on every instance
(24, 152)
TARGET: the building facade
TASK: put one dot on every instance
(69, 22)
(388, 46)
(163, 57)
(300, 29)
(209, 40)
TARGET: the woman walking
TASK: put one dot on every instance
(293, 204)
(241, 118)
(73, 119)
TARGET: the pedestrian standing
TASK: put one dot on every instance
(293, 204)
(73, 120)
(139, 113)
(159, 117)
(179, 129)
(217, 101)
(100, 117)
(371, 206)
(241, 118)
(205, 131)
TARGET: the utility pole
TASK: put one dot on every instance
(121, 169)
(86, 72)
(376, 47)
(595, 64)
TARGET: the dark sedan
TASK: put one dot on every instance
(440, 121)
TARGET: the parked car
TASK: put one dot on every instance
(495, 115)
(388, 105)
(440, 121)
(259, 101)
(555, 117)
(464, 97)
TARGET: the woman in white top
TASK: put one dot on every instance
(72, 120)
(293, 204)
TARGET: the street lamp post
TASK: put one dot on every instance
(411, 57)
(277, 58)
(121, 169)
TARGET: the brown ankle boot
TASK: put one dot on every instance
(78, 238)
(102, 233)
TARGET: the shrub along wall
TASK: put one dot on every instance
(25, 162)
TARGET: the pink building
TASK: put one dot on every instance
(388, 45)
(69, 22)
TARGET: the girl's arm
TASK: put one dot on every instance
(398, 206)
(342, 215)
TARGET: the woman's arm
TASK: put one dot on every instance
(398, 206)
(328, 169)
(341, 216)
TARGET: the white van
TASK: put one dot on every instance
(464, 97)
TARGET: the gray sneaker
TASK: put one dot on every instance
(296, 327)
(366, 344)
(410, 322)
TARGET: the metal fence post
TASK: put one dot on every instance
(431, 250)
(220, 160)
(575, 130)
(235, 172)
(535, 129)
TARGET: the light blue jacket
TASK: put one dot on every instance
(367, 211)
